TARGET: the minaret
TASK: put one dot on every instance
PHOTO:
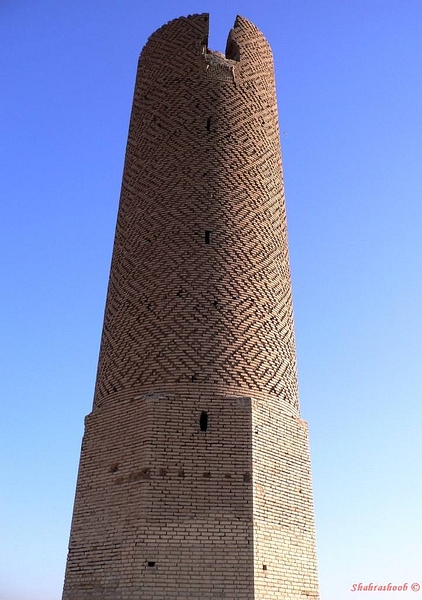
(194, 480)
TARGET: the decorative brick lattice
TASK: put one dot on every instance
(198, 321)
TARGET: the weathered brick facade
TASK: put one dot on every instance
(194, 481)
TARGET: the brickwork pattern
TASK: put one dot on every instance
(198, 320)
(203, 155)
(168, 497)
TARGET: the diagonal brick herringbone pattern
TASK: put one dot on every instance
(203, 155)
(198, 321)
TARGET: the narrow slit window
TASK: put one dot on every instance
(207, 236)
(203, 421)
(209, 124)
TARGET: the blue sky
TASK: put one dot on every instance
(350, 96)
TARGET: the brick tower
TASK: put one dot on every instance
(194, 481)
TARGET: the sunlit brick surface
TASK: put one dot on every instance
(198, 320)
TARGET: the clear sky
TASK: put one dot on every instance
(350, 103)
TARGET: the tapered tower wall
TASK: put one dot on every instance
(194, 478)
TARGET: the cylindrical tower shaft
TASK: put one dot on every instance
(199, 287)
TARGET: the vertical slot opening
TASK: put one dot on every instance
(203, 421)
(207, 236)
